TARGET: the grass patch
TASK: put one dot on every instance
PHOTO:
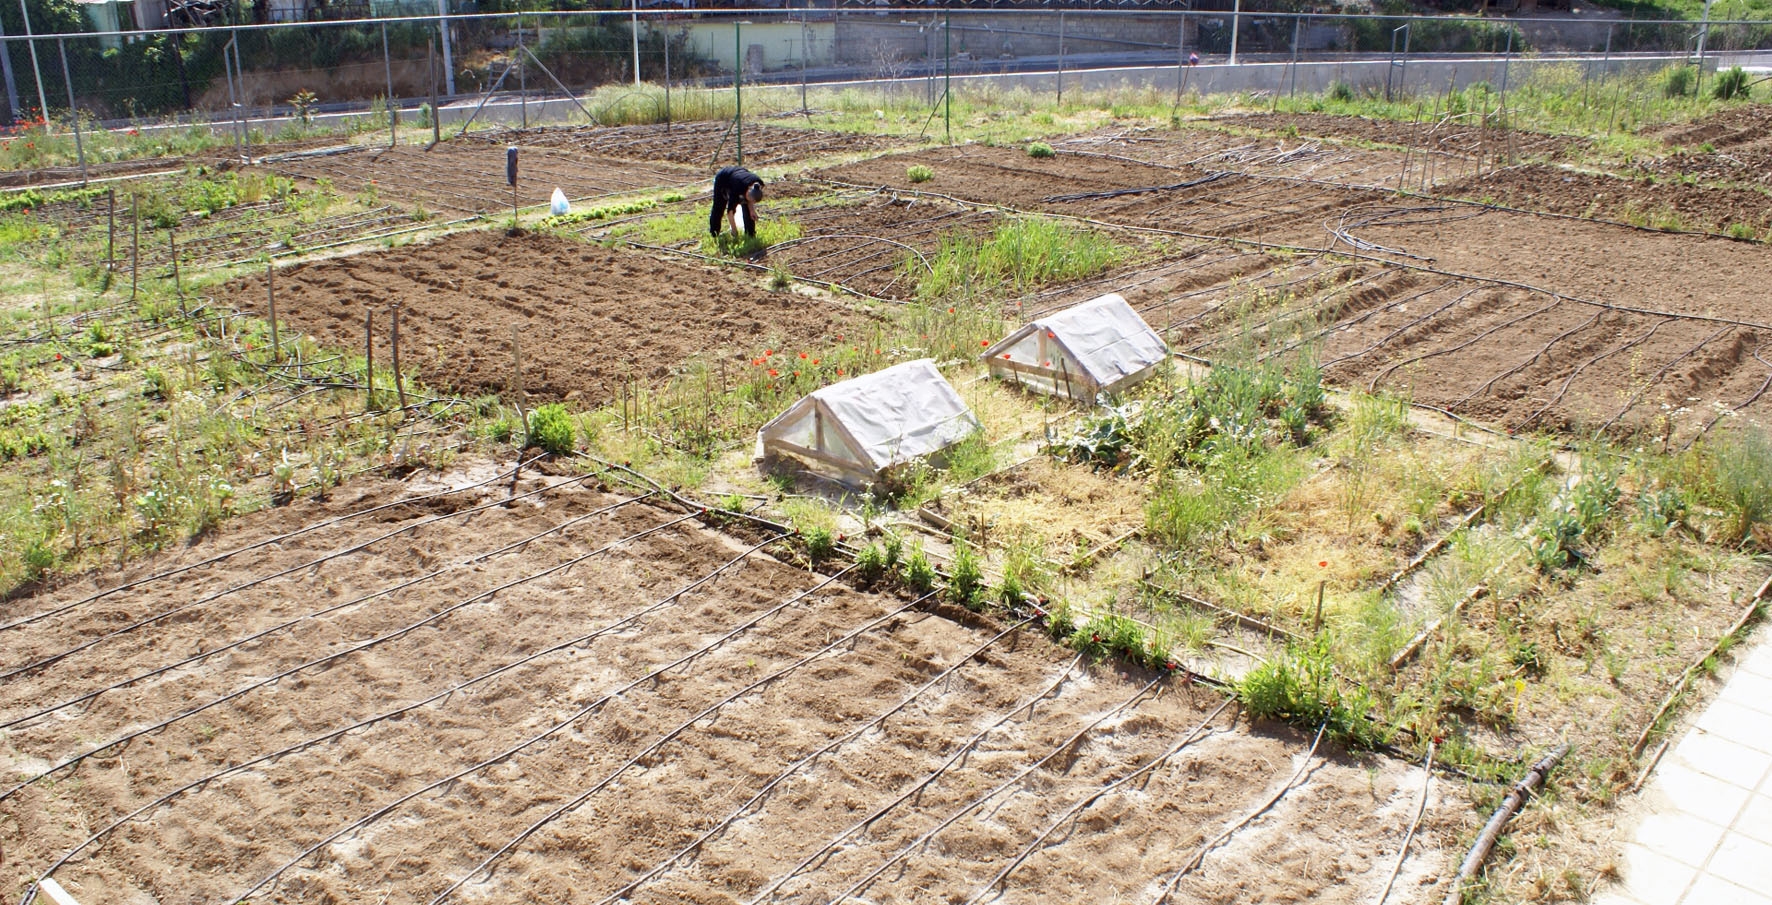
(1022, 253)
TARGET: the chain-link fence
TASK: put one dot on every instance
(117, 73)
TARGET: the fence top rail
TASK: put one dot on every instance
(872, 12)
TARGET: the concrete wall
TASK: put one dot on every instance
(768, 46)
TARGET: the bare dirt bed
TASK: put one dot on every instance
(1452, 135)
(1643, 202)
(1690, 352)
(595, 696)
(591, 317)
(864, 245)
(699, 144)
(469, 177)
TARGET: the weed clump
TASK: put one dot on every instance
(919, 173)
(1040, 150)
(966, 579)
(1732, 84)
(918, 573)
(551, 429)
(1300, 687)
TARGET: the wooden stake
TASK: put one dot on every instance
(111, 231)
(1317, 622)
(369, 360)
(178, 284)
(135, 242)
(517, 376)
(399, 380)
(271, 299)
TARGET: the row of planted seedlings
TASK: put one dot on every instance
(127, 425)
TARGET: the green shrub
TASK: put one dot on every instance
(870, 563)
(820, 542)
(918, 574)
(1341, 92)
(966, 577)
(1680, 81)
(551, 429)
(1741, 482)
(1300, 687)
(1040, 150)
(919, 173)
(1731, 84)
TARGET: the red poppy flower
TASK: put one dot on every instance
(950, 311)
(984, 342)
(1324, 564)
(774, 373)
(802, 356)
(796, 373)
(768, 352)
(1005, 355)
(839, 372)
(815, 361)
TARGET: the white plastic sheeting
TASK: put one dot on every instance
(870, 423)
(1099, 346)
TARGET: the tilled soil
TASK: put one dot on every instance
(469, 177)
(1675, 379)
(595, 697)
(699, 144)
(1455, 135)
(591, 317)
(865, 245)
(1641, 202)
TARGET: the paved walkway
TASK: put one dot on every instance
(1707, 839)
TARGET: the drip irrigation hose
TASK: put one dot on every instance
(364, 645)
(1484, 387)
(1516, 799)
(194, 658)
(336, 733)
(1224, 836)
(1187, 738)
(485, 865)
(1427, 783)
(1026, 771)
(797, 765)
(551, 731)
(306, 529)
(210, 598)
(1027, 704)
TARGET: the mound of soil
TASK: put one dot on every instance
(1457, 137)
(591, 317)
(1640, 201)
(624, 703)
(701, 144)
(1734, 127)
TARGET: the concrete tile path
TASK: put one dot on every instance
(1707, 839)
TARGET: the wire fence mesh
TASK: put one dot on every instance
(273, 77)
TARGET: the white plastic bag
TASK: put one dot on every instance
(738, 217)
(558, 205)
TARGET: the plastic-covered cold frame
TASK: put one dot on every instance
(865, 425)
(1100, 346)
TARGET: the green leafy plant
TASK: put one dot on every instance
(551, 428)
(966, 577)
(918, 573)
(919, 173)
(1040, 150)
(820, 542)
(1680, 81)
(1300, 687)
(1732, 84)
(870, 563)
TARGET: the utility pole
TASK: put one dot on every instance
(42, 97)
(1236, 22)
(6, 69)
(448, 66)
(636, 30)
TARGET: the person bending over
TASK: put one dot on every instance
(733, 187)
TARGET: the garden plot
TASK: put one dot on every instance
(1458, 135)
(469, 177)
(1671, 205)
(487, 687)
(591, 318)
(880, 245)
(1286, 156)
(698, 144)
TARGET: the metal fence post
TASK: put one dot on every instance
(393, 105)
(1061, 56)
(947, 77)
(635, 28)
(1236, 27)
(6, 70)
(448, 64)
(61, 45)
(30, 42)
(738, 89)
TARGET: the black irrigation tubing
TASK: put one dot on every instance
(1303, 249)
(1410, 325)
(486, 864)
(1372, 385)
(407, 708)
(1027, 704)
(261, 544)
(1644, 388)
(1206, 848)
(1187, 738)
(323, 612)
(1750, 400)
(336, 655)
(1303, 308)
(797, 765)
(577, 715)
(210, 598)
(1492, 381)
(1020, 775)
(1090, 196)
(1576, 372)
